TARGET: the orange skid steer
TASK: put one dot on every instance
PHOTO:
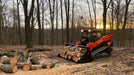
(92, 46)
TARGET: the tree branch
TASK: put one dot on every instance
(32, 8)
(109, 4)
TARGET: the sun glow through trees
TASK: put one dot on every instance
(101, 26)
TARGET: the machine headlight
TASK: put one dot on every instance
(81, 30)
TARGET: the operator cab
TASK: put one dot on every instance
(88, 36)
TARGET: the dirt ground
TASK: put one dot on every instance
(121, 63)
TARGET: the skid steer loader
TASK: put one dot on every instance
(92, 46)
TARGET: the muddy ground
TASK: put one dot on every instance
(121, 63)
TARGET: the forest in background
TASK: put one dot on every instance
(57, 22)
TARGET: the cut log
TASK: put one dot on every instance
(24, 65)
(65, 51)
(50, 65)
(79, 54)
(66, 47)
(7, 53)
(69, 57)
(65, 56)
(75, 59)
(81, 49)
(9, 68)
(34, 60)
(69, 52)
(11, 61)
(73, 48)
(61, 54)
(72, 53)
(77, 49)
(44, 65)
(36, 67)
(3, 58)
(61, 51)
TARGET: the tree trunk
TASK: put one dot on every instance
(11, 61)
(43, 22)
(104, 16)
(126, 13)
(28, 33)
(94, 10)
(50, 65)
(28, 16)
(34, 61)
(90, 15)
(62, 21)
(9, 68)
(72, 40)
(112, 15)
(51, 10)
(67, 9)
(23, 65)
(57, 21)
(39, 23)
(18, 12)
(0, 22)
(36, 67)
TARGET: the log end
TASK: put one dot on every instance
(15, 69)
(26, 67)
(3, 58)
(13, 61)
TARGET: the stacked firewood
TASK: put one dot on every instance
(74, 53)
(25, 61)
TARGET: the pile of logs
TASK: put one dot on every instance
(19, 60)
(74, 53)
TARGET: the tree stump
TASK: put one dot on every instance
(3, 58)
(36, 67)
(9, 68)
(11, 61)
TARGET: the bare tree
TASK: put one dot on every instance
(14, 37)
(61, 20)
(39, 23)
(105, 8)
(18, 13)
(28, 16)
(0, 22)
(52, 11)
(72, 21)
(43, 10)
(90, 15)
(112, 14)
(67, 9)
(94, 10)
(57, 10)
(126, 13)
